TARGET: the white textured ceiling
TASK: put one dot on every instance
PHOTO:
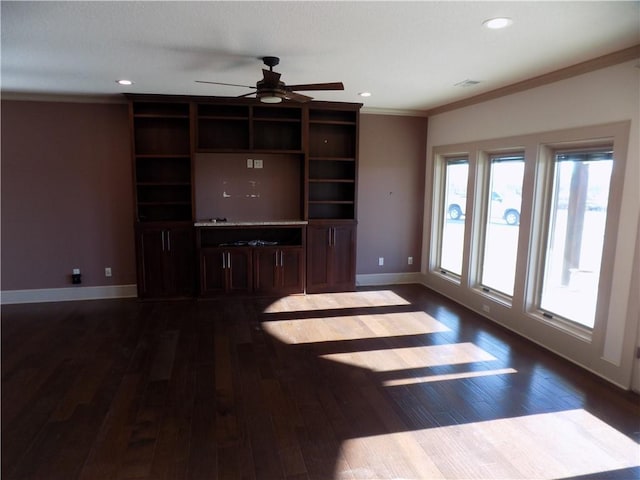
(408, 54)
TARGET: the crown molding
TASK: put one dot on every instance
(393, 111)
(615, 58)
(63, 98)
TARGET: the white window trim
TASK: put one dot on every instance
(610, 351)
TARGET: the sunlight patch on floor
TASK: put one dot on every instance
(544, 446)
(447, 376)
(413, 357)
(330, 301)
(323, 329)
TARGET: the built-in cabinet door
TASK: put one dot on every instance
(151, 258)
(213, 272)
(292, 270)
(225, 270)
(165, 257)
(278, 270)
(239, 270)
(180, 255)
(331, 257)
(266, 263)
(318, 267)
(343, 258)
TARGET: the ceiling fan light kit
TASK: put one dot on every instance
(269, 97)
(271, 90)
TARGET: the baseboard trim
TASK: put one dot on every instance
(373, 279)
(8, 297)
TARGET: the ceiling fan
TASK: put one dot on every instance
(271, 90)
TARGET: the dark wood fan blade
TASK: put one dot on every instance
(316, 86)
(246, 94)
(298, 97)
(227, 84)
(271, 79)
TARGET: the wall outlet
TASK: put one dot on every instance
(257, 163)
(107, 271)
(249, 162)
(380, 261)
(410, 260)
(76, 278)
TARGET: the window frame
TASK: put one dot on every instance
(610, 349)
(546, 169)
(484, 191)
(439, 201)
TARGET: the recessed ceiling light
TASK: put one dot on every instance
(365, 94)
(496, 23)
(124, 82)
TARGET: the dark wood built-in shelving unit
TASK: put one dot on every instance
(162, 160)
(332, 163)
(168, 131)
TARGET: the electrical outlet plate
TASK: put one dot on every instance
(76, 271)
(249, 163)
(107, 271)
(257, 163)
(380, 261)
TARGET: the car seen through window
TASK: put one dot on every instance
(502, 208)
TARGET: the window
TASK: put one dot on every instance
(575, 239)
(503, 202)
(455, 194)
(560, 273)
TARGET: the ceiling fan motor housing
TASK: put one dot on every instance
(271, 61)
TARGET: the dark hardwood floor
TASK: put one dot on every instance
(391, 382)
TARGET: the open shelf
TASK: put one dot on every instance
(332, 191)
(163, 169)
(331, 210)
(161, 135)
(164, 212)
(338, 117)
(241, 236)
(278, 113)
(228, 128)
(162, 194)
(334, 169)
(223, 111)
(277, 135)
(227, 134)
(330, 140)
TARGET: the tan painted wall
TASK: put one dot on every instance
(66, 195)
(390, 192)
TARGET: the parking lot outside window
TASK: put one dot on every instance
(502, 204)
